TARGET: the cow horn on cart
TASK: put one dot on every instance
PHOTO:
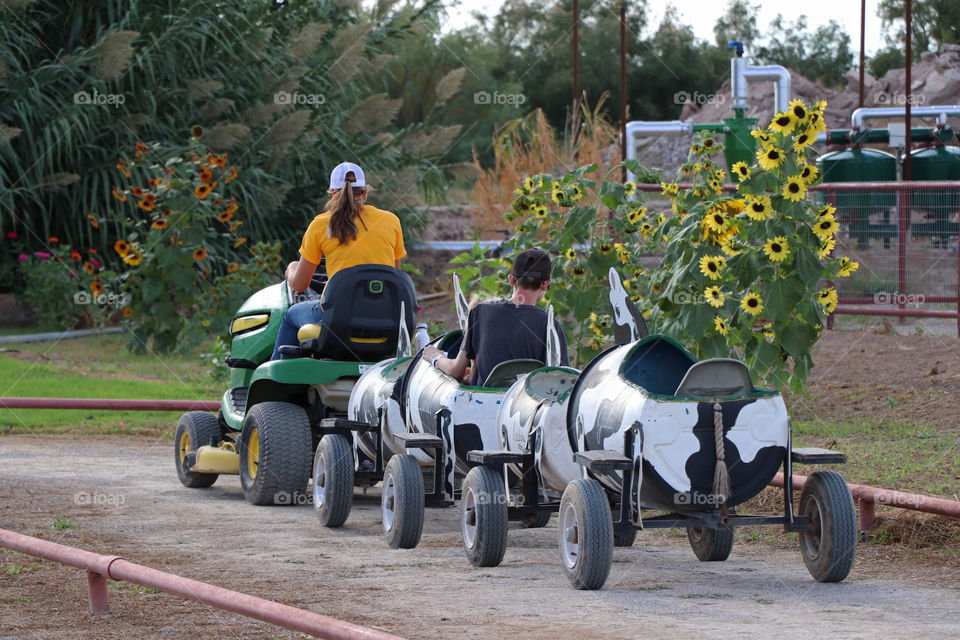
(460, 300)
(628, 322)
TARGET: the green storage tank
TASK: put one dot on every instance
(860, 164)
(938, 162)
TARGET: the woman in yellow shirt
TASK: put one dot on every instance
(349, 233)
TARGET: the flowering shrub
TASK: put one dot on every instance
(48, 282)
(740, 273)
(176, 260)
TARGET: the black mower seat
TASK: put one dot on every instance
(507, 372)
(716, 378)
(361, 314)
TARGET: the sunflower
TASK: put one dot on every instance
(96, 287)
(716, 222)
(809, 173)
(741, 170)
(88, 267)
(196, 131)
(127, 312)
(817, 123)
(206, 176)
(571, 253)
(720, 326)
(783, 123)
(795, 189)
(762, 136)
(159, 224)
(826, 226)
(145, 204)
(200, 253)
(711, 266)
(119, 196)
(827, 245)
(770, 158)
(714, 296)
(798, 110)
(202, 191)
(804, 140)
(661, 219)
(634, 216)
(847, 267)
(638, 273)
(752, 304)
(578, 270)
(540, 212)
(828, 299)
(826, 210)
(646, 229)
(559, 196)
(121, 247)
(133, 258)
(670, 190)
(726, 245)
(759, 207)
(777, 249)
(605, 248)
(577, 192)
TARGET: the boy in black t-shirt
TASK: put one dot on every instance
(505, 329)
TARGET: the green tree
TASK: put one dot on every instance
(934, 23)
(823, 55)
(739, 22)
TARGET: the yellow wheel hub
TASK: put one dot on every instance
(184, 445)
(253, 453)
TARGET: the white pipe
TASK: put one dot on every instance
(59, 335)
(940, 112)
(745, 73)
(641, 128)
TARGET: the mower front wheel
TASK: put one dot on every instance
(275, 454)
(194, 430)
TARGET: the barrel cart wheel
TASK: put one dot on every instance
(536, 520)
(626, 538)
(829, 546)
(711, 545)
(402, 502)
(333, 480)
(585, 534)
(483, 517)
(194, 430)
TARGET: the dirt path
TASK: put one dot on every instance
(656, 588)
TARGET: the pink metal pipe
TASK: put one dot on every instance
(870, 496)
(117, 568)
(108, 404)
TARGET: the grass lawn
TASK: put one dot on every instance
(98, 367)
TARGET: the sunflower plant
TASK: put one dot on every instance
(177, 261)
(736, 274)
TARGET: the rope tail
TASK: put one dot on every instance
(721, 476)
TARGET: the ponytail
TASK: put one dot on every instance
(345, 208)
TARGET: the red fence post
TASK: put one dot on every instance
(903, 224)
(97, 585)
(868, 514)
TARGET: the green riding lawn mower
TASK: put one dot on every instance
(270, 418)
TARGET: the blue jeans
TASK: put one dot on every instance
(296, 316)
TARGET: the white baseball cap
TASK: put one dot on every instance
(338, 177)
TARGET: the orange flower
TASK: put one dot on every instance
(93, 251)
(196, 131)
(200, 254)
(233, 267)
(170, 170)
(202, 191)
(236, 225)
(217, 161)
(217, 202)
(93, 221)
(150, 197)
(122, 168)
(76, 256)
(145, 204)
(119, 196)
(137, 191)
(133, 258)
(152, 182)
(225, 216)
(96, 287)
(140, 146)
(53, 240)
(206, 176)
(239, 242)
(88, 267)
(121, 247)
(232, 207)
(159, 224)
(166, 213)
(127, 312)
(232, 176)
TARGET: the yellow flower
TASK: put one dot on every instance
(726, 245)
(777, 249)
(826, 210)
(571, 253)
(804, 140)
(540, 211)
(558, 196)
(670, 190)
(720, 326)
(711, 266)
(121, 247)
(752, 304)
(646, 229)
(783, 123)
(828, 299)
(715, 221)
(634, 216)
(826, 226)
(817, 123)
(762, 135)
(205, 323)
(758, 207)
(741, 170)
(577, 192)
(661, 219)
(795, 189)
(528, 184)
(770, 158)
(819, 106)
(847, 267)
(133, 258)
(826, 246)
(605, 248)
(578, 270)
(629, 188)
(809, 173)
(714, 296)
(798, 110)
